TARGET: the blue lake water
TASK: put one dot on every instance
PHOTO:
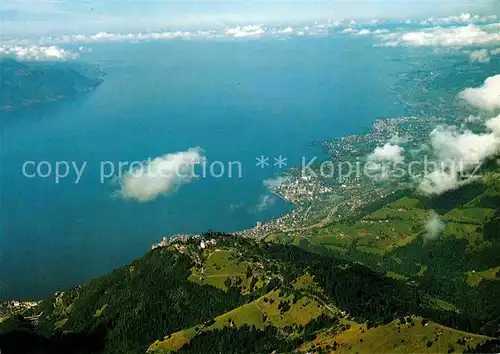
(235, 99)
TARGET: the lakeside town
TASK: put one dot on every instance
(9, 308)
(319, 199)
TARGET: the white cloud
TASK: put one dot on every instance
(467, 148)
(161, 175)
(381, 31)
(398, 140)
(433, 226)
(439, 181)
(387, 153)
(495, 51)
(458, 153)
(461, 151)
(117, 37)
(84, 50)
(49, 42)
(486, 97)
(463, 18)
(36, 52)
(245, 31)
(494, 126)
(286, 30)
(380, 161)
(462, 36)
(473, 34)
(274, 183)
(349, 30)
(265, 201)
(480, 56)
(236, 206)
(364, 32)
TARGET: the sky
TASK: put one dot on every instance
(41, 18)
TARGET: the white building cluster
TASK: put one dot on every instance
(207, 243)
(163, 243)
(183, 238)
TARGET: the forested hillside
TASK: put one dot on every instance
(237, 295)
(29, 83)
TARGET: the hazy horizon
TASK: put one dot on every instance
(39, 18)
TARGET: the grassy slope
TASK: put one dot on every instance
(395, 231)
(466, 254)
(259, 313)
(220, 264)
(474, 278)
(398, 223)
(411, 337)
(264, 311)
(136, 304)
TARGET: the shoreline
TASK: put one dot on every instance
(303, 193)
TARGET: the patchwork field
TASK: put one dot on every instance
(475, 277)
(224, 266)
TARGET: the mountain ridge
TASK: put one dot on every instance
(159, 293)
(28, 83)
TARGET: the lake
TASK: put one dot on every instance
(237, 100)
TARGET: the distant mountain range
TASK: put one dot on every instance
(28, 83)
